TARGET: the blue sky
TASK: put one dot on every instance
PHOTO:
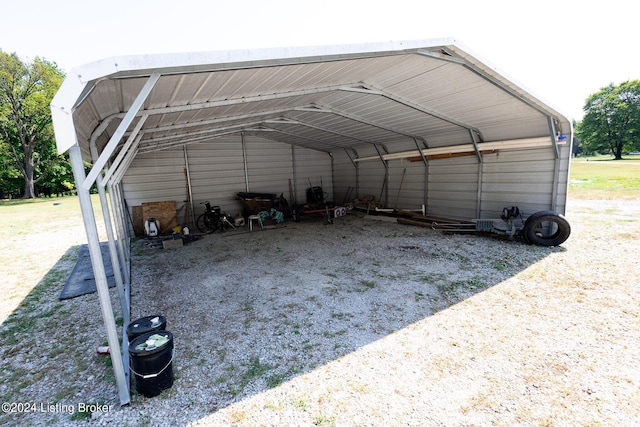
(560, 51)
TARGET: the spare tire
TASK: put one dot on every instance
(546, 228)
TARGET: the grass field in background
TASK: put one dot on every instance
(601, 177)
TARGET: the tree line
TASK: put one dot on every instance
(30, 165)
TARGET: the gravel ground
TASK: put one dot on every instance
(359, 323)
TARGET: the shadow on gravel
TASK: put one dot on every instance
(250, 311)
(48, 354)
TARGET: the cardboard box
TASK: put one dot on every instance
(172, 243)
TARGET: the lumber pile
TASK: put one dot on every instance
(367, 203)
(432, 221)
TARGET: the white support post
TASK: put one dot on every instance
(120, 131)
(125, 148)
(111, 240)
(480, 173)
(102, 286)
(116, 178)
(556, 163)
(121, 231)
(125, 260)
(113, 252)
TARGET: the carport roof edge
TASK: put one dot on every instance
(82, 79)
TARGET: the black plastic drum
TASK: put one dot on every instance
(145, 324)
(151, 361)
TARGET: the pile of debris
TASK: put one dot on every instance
(367, 203)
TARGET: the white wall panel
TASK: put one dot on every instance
(517, 178)
(217, 173)
(408, 191)
(453, 187)
(269, 166)
(344, 176)
(509, 178)
(372, 179)
(155, 177)
(313, 168)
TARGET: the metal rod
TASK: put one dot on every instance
(189, 189)
(556, 165)
(294, 172)
(116, 198)
(102, 286)
(244, 162)
(480, 174)
(127, 145)
(108, 150)
(512, 144)
(425, 196)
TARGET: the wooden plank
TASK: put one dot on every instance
(164, 212)
(449, 155)
(138, 223)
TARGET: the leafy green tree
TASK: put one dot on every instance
(26, 131)
(612, 120)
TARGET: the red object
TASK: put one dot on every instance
(103, 349)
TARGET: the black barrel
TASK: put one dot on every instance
(151, 361)
(145, 324)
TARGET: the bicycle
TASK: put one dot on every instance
(213, 219)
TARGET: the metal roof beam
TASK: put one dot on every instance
(441, 54)
(203, 138)
(115, 172)
(374, 91)
(221, 103)
(108, 150)
(202, 132)
(277, 112)
(510, 144)
(444, 55)
(322, 109)
(125, 148)
(331, 131)
(320, 141)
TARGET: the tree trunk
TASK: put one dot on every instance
(29, 169)
(617, 154)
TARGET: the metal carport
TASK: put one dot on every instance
(473, 140)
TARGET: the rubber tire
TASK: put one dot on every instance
(557, 238)
(205, 224)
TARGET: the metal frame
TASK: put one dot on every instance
(102, 286)
(119, 355)
(113, 158)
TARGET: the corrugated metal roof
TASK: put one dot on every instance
(362, 97)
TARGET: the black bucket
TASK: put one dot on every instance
(151, 362)
(145, 324)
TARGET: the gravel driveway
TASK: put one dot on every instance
(370, 323)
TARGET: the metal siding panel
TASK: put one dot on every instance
(406, 192)
(216, 172)
(155, 177)
(371, 179)
(453, 187)
(517, 178)
(344, 176)
(269, 165)
(315, 167)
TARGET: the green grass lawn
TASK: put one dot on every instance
(600, 177)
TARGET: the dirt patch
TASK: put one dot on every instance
(374, 323)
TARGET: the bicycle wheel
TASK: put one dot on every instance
(206, 224)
